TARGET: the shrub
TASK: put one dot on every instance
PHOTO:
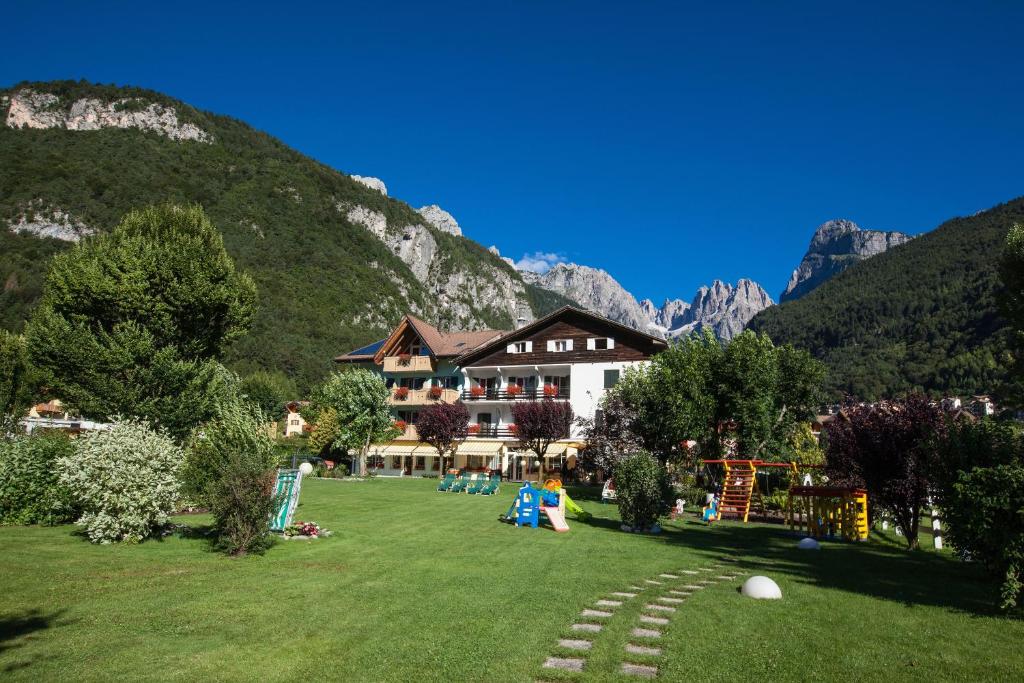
(125, 480)
(30, 490)
(979, 483)
(642, 489)
(230, 467)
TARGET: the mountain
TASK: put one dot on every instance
(920, 317)
(722, 308)
(336, 261)
(835, 246)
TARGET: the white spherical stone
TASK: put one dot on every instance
(306, 469)
(808, 544)
(761, 588)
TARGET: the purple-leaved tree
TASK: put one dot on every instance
(540, 423)
(443, 426)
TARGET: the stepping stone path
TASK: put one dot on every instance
(646, 633)
(639, 670)
(564, 663)
(647, 619)
(654, 616)
(660, 608)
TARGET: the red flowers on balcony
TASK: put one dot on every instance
(513, 430)
(550, 391)
(404, 358)
(477, 392)
(402, 393)
(435, 392)
(514, 390)
(473, 429)
(400, 425)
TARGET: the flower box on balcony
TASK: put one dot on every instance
(436, 392)
(404, 358)
(514, 390)
(402, 393)
(477, 392)
(513, 430)
(550, 390)
(473, 429)
(400, 425)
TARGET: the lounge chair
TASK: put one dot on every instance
(478, 485)
(460, 485)
(447, 482)
(492, 486)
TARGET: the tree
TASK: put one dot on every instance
(765, 393)
(540, 423)
(642, 489)
(14, 378)
(609, 435)
(1011, 300)
(443, 426)
(270, 391)
(886, 448)
(133, 322)
(359, 399)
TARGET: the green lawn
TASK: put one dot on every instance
(417, 585)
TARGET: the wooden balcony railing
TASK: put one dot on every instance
(419, 397)
(490, 432)
(479, 394)
(408, 364)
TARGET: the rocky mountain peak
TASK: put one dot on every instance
(836, 245)
(372, 183)
(440, 219)
(595, 290)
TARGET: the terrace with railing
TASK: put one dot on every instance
(515, 393)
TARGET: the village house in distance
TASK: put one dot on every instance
(568, 355)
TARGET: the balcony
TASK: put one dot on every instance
(408, 434)
(403, 396)
(485, 431)
(408, 364)
(481, 394)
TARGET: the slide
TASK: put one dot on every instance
(556, 518)
(572, 507)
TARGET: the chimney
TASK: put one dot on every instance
(520, 322)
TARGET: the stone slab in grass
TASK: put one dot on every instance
(564, 663)
(646, 633)
(595, 613)
(643, 650)
(668, 576)
(660, 608)
(587, 628)
(671, 601)
(648, 619)
(693, 588)
(653, 582)
(705, 569)
(623, 594)
(690, 571)
(635, 588)
(573, 644)
(608, 603)
(682, 593)
(639, 670)
(725, 578)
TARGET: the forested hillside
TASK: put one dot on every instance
(921, 316)
(326, 283)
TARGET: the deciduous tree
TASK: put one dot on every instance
(541, 423)
(444, 426)
(359, 399)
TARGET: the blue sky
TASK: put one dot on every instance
(668, 143)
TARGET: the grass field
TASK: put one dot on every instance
(416, 585)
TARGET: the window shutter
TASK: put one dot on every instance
(568, 344)
(551, 345)
(511, 348)
(529, 346)
(611, 343)
(591, 344)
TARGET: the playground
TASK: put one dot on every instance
(421, 585)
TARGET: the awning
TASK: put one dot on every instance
(399, 449)
(475, 447)
(555, 450)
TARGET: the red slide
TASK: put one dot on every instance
(556, 518)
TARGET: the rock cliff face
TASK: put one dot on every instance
(440, 219)
(457, 290)
(372, 183)
(46, 221)
(837, 245)
(31, 109)
(595, 290)
(724, 309)
(670, 316)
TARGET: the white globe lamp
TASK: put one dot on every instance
(306, 469)
(761, 588)
(808, 544)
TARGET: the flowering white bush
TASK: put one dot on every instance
(125, 480)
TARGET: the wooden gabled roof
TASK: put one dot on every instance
(439, 344)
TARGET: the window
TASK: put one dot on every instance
(419, 463)
(396, 462)
(520, 347)
(447, 382)
(611, 378)
(412, 382)
(559, 345)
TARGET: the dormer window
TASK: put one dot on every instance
(600, 343)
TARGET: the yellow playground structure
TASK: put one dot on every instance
(819, 511)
